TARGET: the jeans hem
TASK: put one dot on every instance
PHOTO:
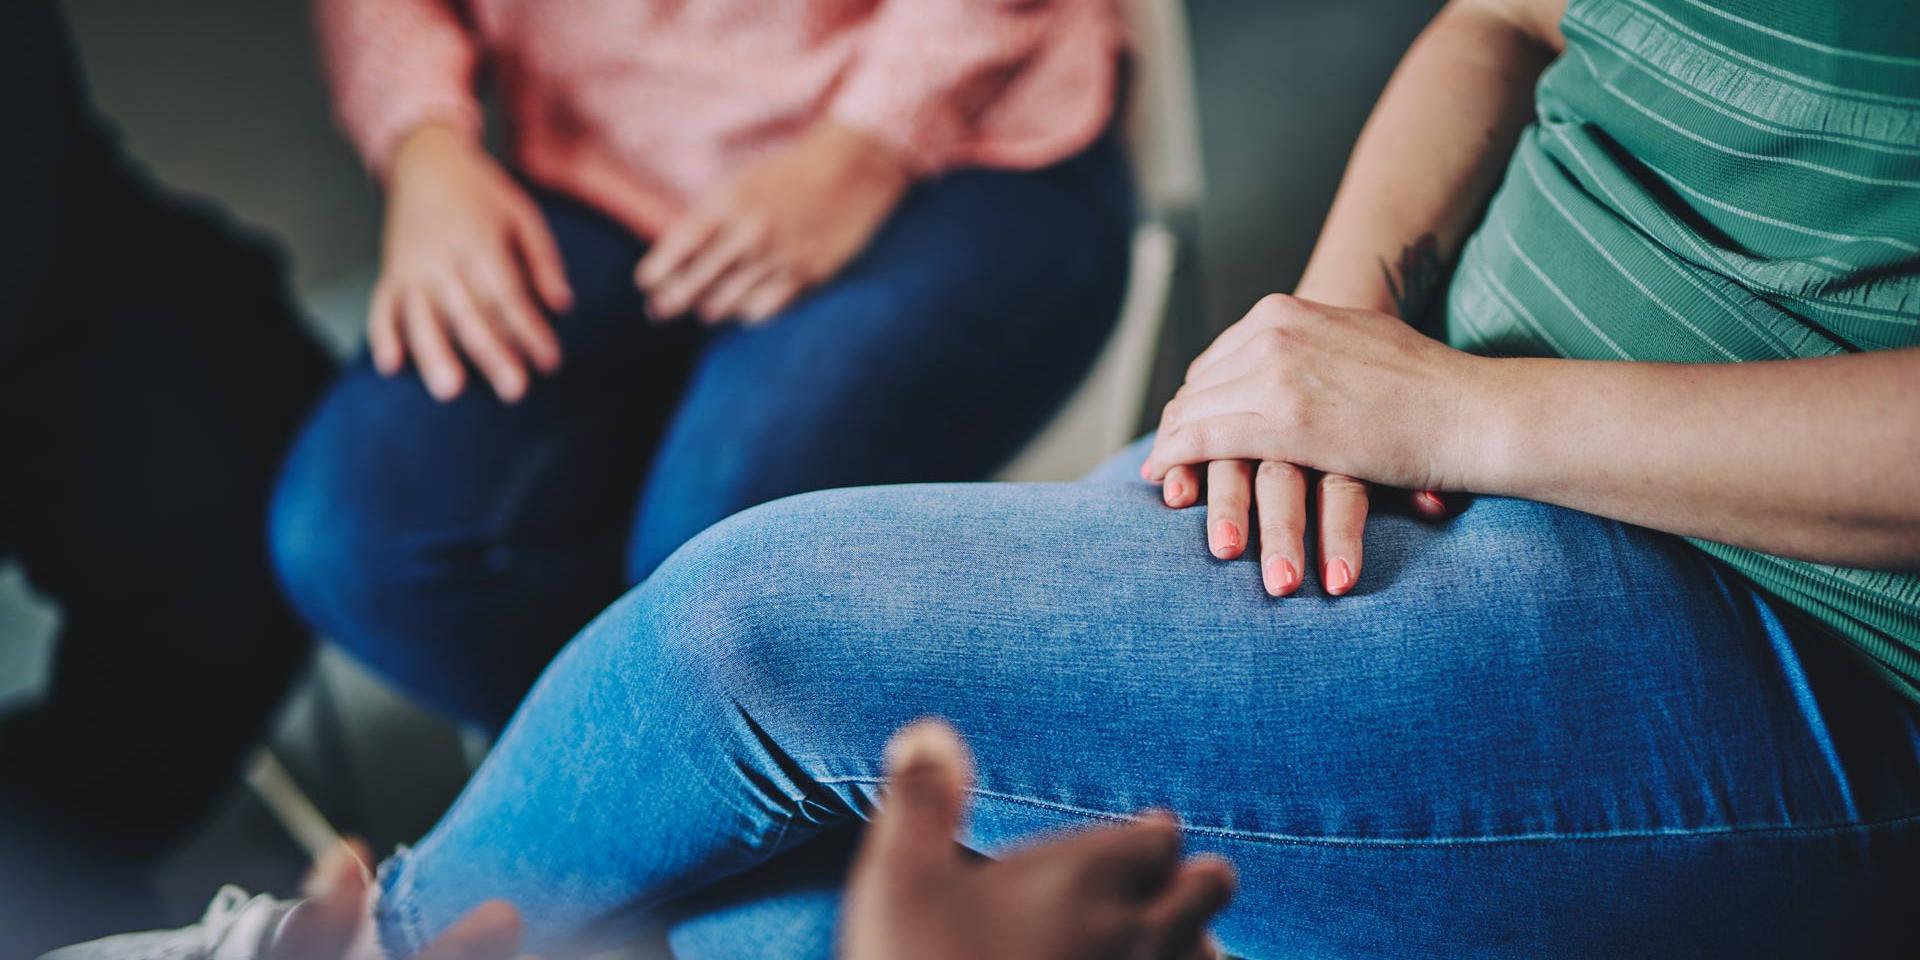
(396, 924)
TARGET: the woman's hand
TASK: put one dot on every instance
(788, 224)
(1301, 394)
(467, 263)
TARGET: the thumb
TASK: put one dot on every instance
(928, 772)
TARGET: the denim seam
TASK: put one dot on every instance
(407, 913)
(1524, 838)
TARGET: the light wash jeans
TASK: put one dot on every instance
(1530, 732)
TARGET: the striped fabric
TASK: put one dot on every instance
(1720, 181)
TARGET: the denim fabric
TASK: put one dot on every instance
(456, 547)
(1529, 732)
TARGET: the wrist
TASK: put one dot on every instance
(867, 156)
(1357, 289)
(1496, 406)
(429, 144)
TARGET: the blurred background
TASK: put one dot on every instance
(223, 98)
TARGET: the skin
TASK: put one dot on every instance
(331, 923)
(470, 273)
(1112, 893)
(747, 249)
(1330, 391)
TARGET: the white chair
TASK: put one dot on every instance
(1163, 135)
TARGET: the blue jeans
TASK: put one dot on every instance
(456, 547)
(1530, 732)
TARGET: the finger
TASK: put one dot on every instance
(482, 342)
(1174, 924)
(1280, 500)
(324, 924)
(534, 240)
(771, 297)
(1264, 316)
(728, 295)
(490, 931)
(1226, 437)
(383, 332)
(1229, 495)
(676, 248)
(350, 855)
(524, 325)
(1343, 520)
(1428, 505)
(729, 250)
(1251, 357)
(1229, 343)
(440, 367)
(1130, 860)
(1198, 402)
(928, 772)
(1181, 489)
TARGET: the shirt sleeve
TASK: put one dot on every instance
(393, 65)
(929, 67)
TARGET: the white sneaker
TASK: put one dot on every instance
(235, 927)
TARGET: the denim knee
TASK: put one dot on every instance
(733, 607)
(322, 554)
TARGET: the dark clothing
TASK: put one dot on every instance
(152, 368)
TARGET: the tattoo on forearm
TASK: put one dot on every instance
(1422, 274)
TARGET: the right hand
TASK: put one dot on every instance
(1109, 893)
(467, 264)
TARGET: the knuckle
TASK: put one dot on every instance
(1277, 308)
(1277, 471)
(1341, 485)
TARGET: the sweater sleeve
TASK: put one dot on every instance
(929, 67)
(393, 65)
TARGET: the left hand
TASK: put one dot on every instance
(747, 249)
(1298, 386)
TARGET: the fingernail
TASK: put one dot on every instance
(1144, 473)
(1175, 491)
(919, 743)
(1432, 501)
(1226, 537)
(1339, 576)
(1280, 575)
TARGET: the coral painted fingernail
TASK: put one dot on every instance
(1280, 575)
(1339, 577)
(1226, 536)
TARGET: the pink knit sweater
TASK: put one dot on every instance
(636, 106)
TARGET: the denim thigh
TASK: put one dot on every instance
(1529, 731)
(455, 546)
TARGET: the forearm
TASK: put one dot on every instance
(394, 65)
(1817, 459)
(1429, 157)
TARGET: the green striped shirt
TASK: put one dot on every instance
(1720, 181)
